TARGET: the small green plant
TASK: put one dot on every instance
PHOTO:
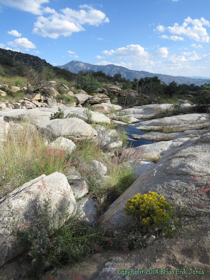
(60, 115)
(151, 209)
(88, 115)
(124, 117)
(57, 115)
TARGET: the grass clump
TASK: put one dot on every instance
(50, 248)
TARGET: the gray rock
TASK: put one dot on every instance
(79, 188)
(140, 167)
(108, 138)
(172, 178)
(24, 206)
(63, 143)
(106, 273)
(28, 104)
(15, 89)
(160, 136)
(51, 102)
(53, 83)
(106, 107)
(87, 209)
(81, 98)
(98, 167)
(2, 93)
(150, 240)
(150, 111)
(38, 115)
(3, 106)
(72, 128)
(180, 122)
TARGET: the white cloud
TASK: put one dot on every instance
(128, 51)
(2, 46)
(71, 52)
(196, 46)
(14, 33)
(160, 28)
(99, 57)
(173, 37)
(55, 26)
(22, 43)
(32, 6)
(193, 29)
(162, 52)
(127, 65)
(67, 22)
(91, 16)
(188, 53)
(48, 10)
(185, 57)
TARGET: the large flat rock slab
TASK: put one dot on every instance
(174, 178)
(178, 123)
(160, 136)
(146, 112)
(106, 107)
(38, 115)
(154, 151)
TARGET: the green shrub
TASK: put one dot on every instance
(57, 115)
(151, 209)
(2, 71)
(60, 89)
(67, 99)
(203, 100)
(88, 84)
(19, 83)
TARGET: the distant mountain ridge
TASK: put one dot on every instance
(25, 59)
(111, 69)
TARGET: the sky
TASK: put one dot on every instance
(160, 36)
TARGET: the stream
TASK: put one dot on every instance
(132, 129)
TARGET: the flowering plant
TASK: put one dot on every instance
(151, 209)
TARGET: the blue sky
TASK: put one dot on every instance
(160, 36)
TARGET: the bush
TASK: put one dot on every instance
(152, 210)
(67, 99)
(203, 100)
(89, 84)
(19, 82)
(2, 71)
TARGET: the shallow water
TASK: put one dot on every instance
(131, 129)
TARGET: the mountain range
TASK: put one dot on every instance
(77, 66)
(74, 67)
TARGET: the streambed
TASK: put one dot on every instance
(132, 129)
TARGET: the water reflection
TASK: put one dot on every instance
(132, 129)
